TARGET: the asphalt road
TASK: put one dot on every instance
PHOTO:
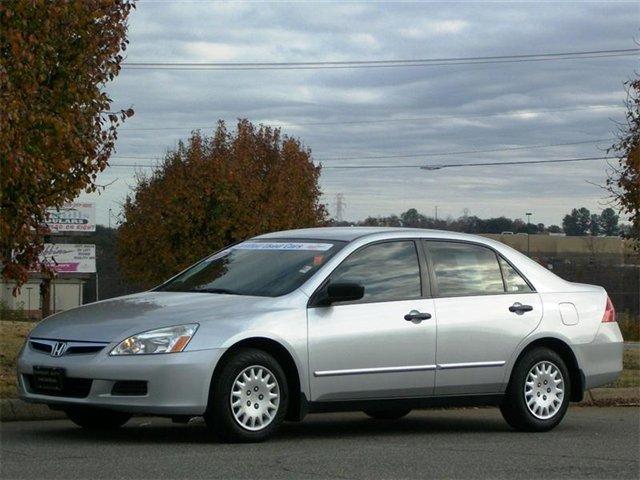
(473, 443)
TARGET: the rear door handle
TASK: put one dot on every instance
(416, 317)
(520, 308)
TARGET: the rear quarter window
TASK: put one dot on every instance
(513, 281)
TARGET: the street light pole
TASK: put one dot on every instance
(528, 214)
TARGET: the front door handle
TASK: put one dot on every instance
(520, 308)
(416, 317)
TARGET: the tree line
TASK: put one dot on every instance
(579, 222)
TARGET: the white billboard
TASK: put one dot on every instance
(69, 257)
(72, 217)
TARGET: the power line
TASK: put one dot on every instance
(424, 167)
(421, 62)
(429, 154)
(466, 152)
(403, 119)
(478, 164)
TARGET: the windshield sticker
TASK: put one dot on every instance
(317, 247)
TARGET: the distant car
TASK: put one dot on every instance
(383, 320)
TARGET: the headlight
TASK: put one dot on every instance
(163, 340)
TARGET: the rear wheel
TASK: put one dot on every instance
(249, 397)
(388, 414)
(96, 418)
(538, 394)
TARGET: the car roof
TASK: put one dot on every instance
(352, 233)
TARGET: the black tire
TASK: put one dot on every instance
(514, 408)
(388, 414)
(220, 417)
(93, 418)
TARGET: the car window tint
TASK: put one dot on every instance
(464, 269)
(388, 271)
(267, 268)
(512, 279)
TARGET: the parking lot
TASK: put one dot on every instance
(591, 443)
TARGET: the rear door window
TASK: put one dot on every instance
(463, 269)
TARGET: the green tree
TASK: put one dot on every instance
(554, 229)
(578, 222)
(496, 225)
(214, 191)
(57, 131)
(624, 179)
(370, 222)
(609, 222)
(413, 219)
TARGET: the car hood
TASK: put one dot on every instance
(117, 318)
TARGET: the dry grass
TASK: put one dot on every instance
(631, 374)
(12, 337)
(629, 326)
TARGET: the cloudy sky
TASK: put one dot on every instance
(410, 112)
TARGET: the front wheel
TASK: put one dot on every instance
(249, 397)
(93, 418)
(538, 394)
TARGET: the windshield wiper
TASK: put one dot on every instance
(214, 290)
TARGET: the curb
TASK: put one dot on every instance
(14, 409)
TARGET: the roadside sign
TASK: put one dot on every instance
(72, 217)
(69, 257)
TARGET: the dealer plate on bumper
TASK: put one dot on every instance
(49, 378)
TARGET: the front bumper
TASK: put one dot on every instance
(177, 383)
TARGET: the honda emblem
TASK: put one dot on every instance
(58, 349)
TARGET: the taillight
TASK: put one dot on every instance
(609, 312)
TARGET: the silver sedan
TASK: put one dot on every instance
(328, 319)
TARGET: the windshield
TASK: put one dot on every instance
(262, 268)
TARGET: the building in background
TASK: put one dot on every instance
(74, 264)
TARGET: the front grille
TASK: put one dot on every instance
(46, 346)
(41, 347)
(129, 388)
(72, 387)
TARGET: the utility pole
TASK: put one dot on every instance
(339, 207)
(528, 214)
(436, 213)
(29, 301)
(109, 219)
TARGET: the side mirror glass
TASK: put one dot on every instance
(344, 292)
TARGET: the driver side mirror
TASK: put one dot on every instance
(343, 292)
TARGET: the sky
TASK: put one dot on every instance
(476, 107)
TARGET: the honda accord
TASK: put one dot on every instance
(380, 320)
